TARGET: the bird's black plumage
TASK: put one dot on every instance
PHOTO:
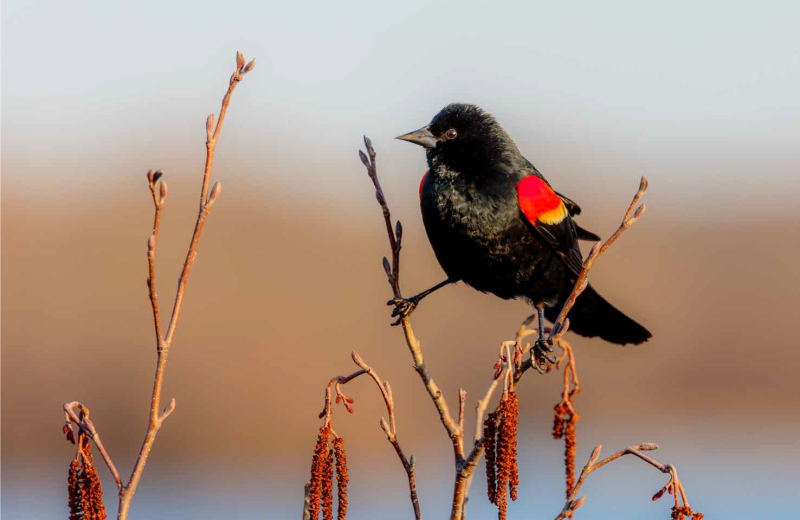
(481, 236)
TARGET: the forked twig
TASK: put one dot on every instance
(164, 339)
(389, 427)
(673, 486)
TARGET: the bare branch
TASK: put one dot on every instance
(673, 486)
(597, 250)
(82, 421)
(393, 271)
(389, 427)
(159, 193)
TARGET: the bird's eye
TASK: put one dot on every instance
(451, 134)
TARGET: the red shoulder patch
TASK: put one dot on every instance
(538, 201)
(422, 183)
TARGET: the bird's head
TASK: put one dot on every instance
(462, 137)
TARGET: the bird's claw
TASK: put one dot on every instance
(542, 351)
(403, 307)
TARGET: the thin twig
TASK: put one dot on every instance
(561, 325)
(393, 272)
(390, 429)
(674, 485)
(597, 250)
(395, 235)
(164, 340)
(81, 419)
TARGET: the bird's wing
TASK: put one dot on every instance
(571, 205)
(422, 182)
(574, 210)
(549, 219)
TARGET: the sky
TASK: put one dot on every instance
(701, 98)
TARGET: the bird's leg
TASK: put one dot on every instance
(405, 306)
(541, 349)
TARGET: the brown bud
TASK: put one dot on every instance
(577, 504)
(368, 144)
(215, 191)
(648, 446)
(640, 211)
(210, 126)
(643, 184)
(163, 191)
(398, 231)
(595, 454)
(356, 358)
(68, 433)
(363, 158)
(151, 176)
(250, 66)
(385, 427)
(239, 60)
(387, 266)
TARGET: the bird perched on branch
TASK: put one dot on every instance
(496, 224)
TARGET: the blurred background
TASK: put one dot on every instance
(700, 98)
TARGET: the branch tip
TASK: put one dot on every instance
(240, 60)
(250, 66)
(368, 144)
(595, 454)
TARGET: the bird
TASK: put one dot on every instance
(495, 223)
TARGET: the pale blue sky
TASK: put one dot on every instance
(699, 93)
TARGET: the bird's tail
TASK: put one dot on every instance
(593, 316)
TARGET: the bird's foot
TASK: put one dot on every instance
(403, 307)
(541, 355)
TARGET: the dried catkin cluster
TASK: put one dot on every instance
(83, 487)
(500, 443)
(320, 490)
(681, 512)
(341, 477)
(564, 426)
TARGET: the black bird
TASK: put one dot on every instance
(495, 223)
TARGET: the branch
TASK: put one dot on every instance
(164, 339)
(389, 427)
(597, 250)
(84, 424)
(393, 273)
(561, 325)
(674, 486)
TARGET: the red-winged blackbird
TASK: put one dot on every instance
(496, 224)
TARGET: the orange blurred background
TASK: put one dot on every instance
(700, 99)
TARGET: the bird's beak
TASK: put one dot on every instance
(422, 137)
